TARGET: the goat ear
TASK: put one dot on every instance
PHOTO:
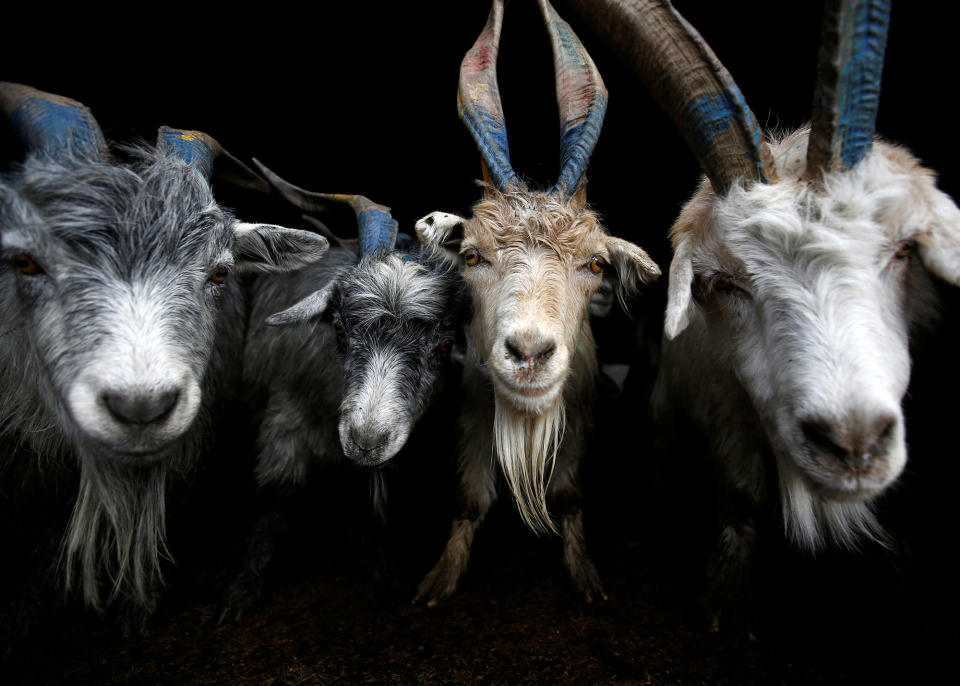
(679, 290)
(269, 248)
(939, 245)
(311, 307)
(442, 233)
(632, 265)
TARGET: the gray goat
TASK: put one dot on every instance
(121, 320)
(342, 359)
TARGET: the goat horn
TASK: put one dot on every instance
(478, 101)
(582, 99)
(202, 150)
(376, 228)
(688, 82)
(853, 40)
(48, 123)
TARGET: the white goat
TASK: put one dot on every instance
(794, 285)
(532, 261)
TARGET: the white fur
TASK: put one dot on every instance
(815, 328)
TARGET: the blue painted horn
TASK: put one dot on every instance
(581, 96)
(376, 228)
(51, 124)
(853, 40)
(687, 80)
(209, 157)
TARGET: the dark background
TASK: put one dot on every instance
(360, 98)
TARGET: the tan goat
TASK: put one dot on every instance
(532, 260)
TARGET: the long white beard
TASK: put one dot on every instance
(526, 446)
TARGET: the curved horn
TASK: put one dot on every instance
(50, 124)
(688, 82)
(202, 150)
(478, 101)
(852, 43)
(582, 99)
(376, 228)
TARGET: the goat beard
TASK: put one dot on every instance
(117, 532)
(526, 446)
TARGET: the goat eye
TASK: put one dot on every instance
(219, 275)
(597, 264)
(905, 249)
(339, 328)
(25, 265)
(445, 346)
(471, 257)
(724, 283)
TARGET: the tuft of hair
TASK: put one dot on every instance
(117, 528)
(526, 446)
(813, 523)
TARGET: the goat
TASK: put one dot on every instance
(122, 319)
(342, 360)
(800, 267)
(531, 260)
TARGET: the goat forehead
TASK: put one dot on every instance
(394, 287)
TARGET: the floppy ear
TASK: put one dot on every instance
(939, 243)
(441, 233)
(269, 248)
(311, 307)
(632, 266)
(679, 290)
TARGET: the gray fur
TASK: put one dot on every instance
(122, 311)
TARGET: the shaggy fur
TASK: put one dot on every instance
(795, 303)
(117, 343)
(350, 357)
(537, 259)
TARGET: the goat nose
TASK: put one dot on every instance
(529, 350)
(368, 440)
(141, 408)
(854, 444)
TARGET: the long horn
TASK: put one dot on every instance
(50, 124)
(688, 82)
(202, 150)
(376, 228)
(853, 40)
(582, 99)
(478, 101)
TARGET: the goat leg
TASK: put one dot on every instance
(476, 493)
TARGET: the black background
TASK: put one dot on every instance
(360, 98)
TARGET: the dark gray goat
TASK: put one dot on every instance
(342, 359)
(121, 319)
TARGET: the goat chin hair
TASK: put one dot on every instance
(811, 521)
(526, 446)
(117, 532)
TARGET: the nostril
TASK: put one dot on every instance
(141, 408)
(513, 350)
(547, 352)
(821, 435)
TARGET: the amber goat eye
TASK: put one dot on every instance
(338, 327)
(597, 264)
(445, 346)
(471, 257)
(25, 265)
(219, 275)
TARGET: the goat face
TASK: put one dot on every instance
(117, 277)
(532, 261)
(807, 294)
(395, 317)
